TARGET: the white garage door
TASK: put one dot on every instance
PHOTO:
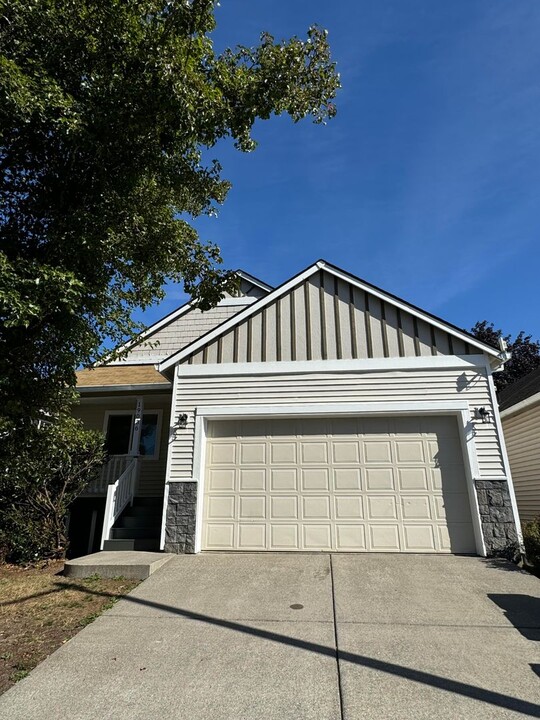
(342, 484)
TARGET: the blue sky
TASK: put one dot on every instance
(427, 181)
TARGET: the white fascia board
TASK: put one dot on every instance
(407, 308)
(523, 405)
(254, 281)
(122, 388)
(429, 362)
(232, 301)
(332, 409)
(146, 360)
(237, 319)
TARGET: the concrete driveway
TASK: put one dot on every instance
(302, 636)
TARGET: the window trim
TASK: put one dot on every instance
(146, 411)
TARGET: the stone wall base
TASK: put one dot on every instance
(181, 515)
(497, 517)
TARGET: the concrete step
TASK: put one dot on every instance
(138, 565)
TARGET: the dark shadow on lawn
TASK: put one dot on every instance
(454, 686)
(523, 611)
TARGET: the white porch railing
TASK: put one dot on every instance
(119, 494)
(113, 468)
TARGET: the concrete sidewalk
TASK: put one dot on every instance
(302, 636)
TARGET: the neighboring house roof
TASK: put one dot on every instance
(524, 389)
(120, 377)
(317, 268)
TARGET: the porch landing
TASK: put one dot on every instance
(130, 564)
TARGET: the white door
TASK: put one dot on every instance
(342, 484)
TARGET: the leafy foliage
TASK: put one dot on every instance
(108, 111)
(524, 350)
(531, 540)
(41, 474)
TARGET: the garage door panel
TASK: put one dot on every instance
(252, 507)
(347, 479)
(284, 537)
(252, 479)
(313, 453)
(317, 537)
(219, 536)
(384, 538)
(220, 507)
(347, 451)
(380, 479)
(315, 479)
(348, 484)
(316, 508)
(348, 507)
(414, 478)
(253, 453)
(284, 507)
(252, 536)
(409, 451)
(284, 479)
(377, 451)
(350, 537)
(417, 508)
(223, 453)
(381, 507)
(219, 479)
(283, 453)
(452, 507)
(419, 538)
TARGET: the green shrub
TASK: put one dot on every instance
(41, 472)
(531, 539)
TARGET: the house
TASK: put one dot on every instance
(324, 414)
(519, 405)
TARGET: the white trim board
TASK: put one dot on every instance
(458, 408)
(428, 362)
(301, 277)
(122, 388)
(506, 461)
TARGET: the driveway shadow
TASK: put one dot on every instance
(490, 697)
(523, 611)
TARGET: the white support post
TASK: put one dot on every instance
(136, 439)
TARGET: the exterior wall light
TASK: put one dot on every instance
(482, 414)
(182, 420)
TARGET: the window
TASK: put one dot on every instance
(119, 430)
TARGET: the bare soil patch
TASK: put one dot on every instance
(40, 609)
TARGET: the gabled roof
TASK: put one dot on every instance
(522, 389)
(338, 273)
(183, 309)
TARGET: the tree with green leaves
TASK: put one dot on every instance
(108, 110)
(49, 466)
(525, 352)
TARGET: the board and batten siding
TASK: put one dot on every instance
(289, 389)
(522, 437)
(328, 318)
(152, 471)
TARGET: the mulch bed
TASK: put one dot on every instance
(40, 609)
